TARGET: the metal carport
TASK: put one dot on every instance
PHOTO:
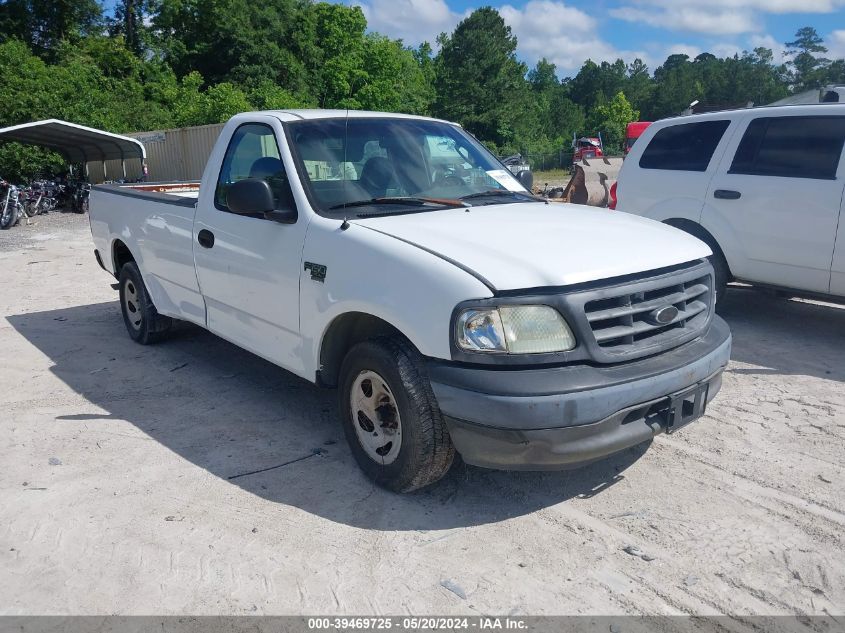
(77, 143)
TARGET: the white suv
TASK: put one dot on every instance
(762, 187)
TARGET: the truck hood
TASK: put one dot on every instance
(531, 245)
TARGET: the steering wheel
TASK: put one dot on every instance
(452, 181)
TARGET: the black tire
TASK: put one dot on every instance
(425, 449)
(143, 322)
(722, 275)
(8, 217)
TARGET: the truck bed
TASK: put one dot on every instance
(155, 222)
(161, 191)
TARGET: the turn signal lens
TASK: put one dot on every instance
(481, 331)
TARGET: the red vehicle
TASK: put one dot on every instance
(586, 147)
(634, 131)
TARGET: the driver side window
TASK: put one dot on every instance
(253, 153)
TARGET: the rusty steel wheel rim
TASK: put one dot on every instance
(375, 416)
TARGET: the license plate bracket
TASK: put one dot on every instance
(686, 406)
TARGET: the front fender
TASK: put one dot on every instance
(372, 273)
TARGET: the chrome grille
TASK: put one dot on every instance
(623, 320)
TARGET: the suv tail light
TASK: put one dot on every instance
(611, 203)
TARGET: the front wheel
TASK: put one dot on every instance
(143, 322)
(721, 273)
(390, 416)
(8, 216)
(32, 209)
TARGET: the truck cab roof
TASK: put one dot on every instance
(316, 113)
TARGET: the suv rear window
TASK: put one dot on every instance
(684, 147)
(794, 147)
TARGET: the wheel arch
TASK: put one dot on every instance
(696, 230)
(120, 255)
(345, 331)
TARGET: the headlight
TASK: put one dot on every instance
(514, 329)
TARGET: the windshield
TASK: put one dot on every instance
(373, 164)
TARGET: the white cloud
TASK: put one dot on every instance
(552, 29)
(564, 35)
(767, 41)
(835, 43)
(677, 18)
(764, 6)
(414, 21)
(718, 17)
(725, 49)
(683, 49)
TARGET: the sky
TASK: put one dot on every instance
(567, 32)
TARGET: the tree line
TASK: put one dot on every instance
(155, 64)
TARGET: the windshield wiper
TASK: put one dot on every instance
(416, 201)
(489, 193)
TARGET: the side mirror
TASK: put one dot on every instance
(249, 197)
(254, 196)
(526, 179)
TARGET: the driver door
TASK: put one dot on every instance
(248, 267)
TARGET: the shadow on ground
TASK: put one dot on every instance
(785, 337)
(232, 414)
(261, 429)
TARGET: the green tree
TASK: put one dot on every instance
(269, 96)
(558, 117)
(479, 81)
(597, 83)
(808, 70)
(129, 22)
(611, 118)
(43, 24)
(238, 40)
(395, 81)
(676, 86)
(639, 86)
(340, 33)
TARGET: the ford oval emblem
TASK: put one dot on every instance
(664, 315)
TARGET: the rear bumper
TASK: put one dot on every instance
(553, 418)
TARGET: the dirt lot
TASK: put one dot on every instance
(122, 487)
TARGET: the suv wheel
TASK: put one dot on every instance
(721, 275)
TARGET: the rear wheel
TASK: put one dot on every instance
(143, 322)
(390, 416)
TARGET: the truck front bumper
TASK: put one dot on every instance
(561, 417)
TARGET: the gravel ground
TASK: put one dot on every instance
(123, 486)
(41, 228)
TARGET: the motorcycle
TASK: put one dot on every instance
(12, 208)
(79, 197)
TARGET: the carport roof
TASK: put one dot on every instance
(78, 143)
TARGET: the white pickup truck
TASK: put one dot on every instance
(393, 257)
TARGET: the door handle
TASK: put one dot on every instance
(726, 194)
(205, 238)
